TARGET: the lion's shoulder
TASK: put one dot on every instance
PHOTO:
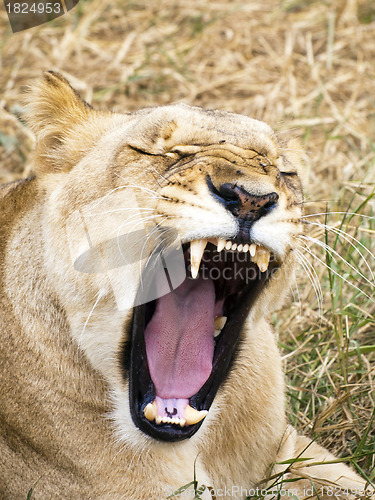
(12, 187)
(15, 197)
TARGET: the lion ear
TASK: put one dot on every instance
(57, 115)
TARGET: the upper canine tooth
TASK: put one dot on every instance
(196, 252)
(220, 244)
(228, 245)
(263, 259)
(253, 249)
(193, 416)
(150, 411)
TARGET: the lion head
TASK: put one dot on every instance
(170, 235)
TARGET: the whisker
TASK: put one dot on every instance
(108, 194)
(151, 192)
(340, 213)
(153, 231)
(337, 274)
(136, 219)
(296, 290)
(326, 247)
(145, 243)
(331, 250)
(99, 296)
(159, 174)
(160, 243)
(305, 202)
(121, 210)
(346, 237)
(154, 251)
(344, 233)
(136, 223)
(141, 451)
(313, 277)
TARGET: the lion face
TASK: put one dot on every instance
(170, 229)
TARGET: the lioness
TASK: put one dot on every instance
(139, 266)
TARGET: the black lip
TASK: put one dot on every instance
(141, 387)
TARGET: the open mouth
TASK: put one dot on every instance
(183, 343)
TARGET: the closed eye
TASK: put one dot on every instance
(288, 173)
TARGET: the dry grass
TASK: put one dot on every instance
(304, 66)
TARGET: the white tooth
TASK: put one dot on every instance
(246, 247)
(239, 248)
(150, 411)
(196, 252)
(220, 322)
(220, 244)
(182, 422)
(174, 420)
(165, 420)
(193, 416)
(253, 249)
(263, 259)
(158, 419)
(234, 246)
(228, 245)
(219, 325)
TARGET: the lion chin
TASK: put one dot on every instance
(139, 267)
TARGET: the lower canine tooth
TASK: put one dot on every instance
(150, 411)
(220, 322)
(219, 325)
(193, 416)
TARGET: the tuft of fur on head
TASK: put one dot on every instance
(62, 123)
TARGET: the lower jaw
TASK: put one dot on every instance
(142, 391)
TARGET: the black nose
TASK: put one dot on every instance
(241, 203)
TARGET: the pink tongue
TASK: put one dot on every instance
(180, 339)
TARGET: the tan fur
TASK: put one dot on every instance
(61, 378)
